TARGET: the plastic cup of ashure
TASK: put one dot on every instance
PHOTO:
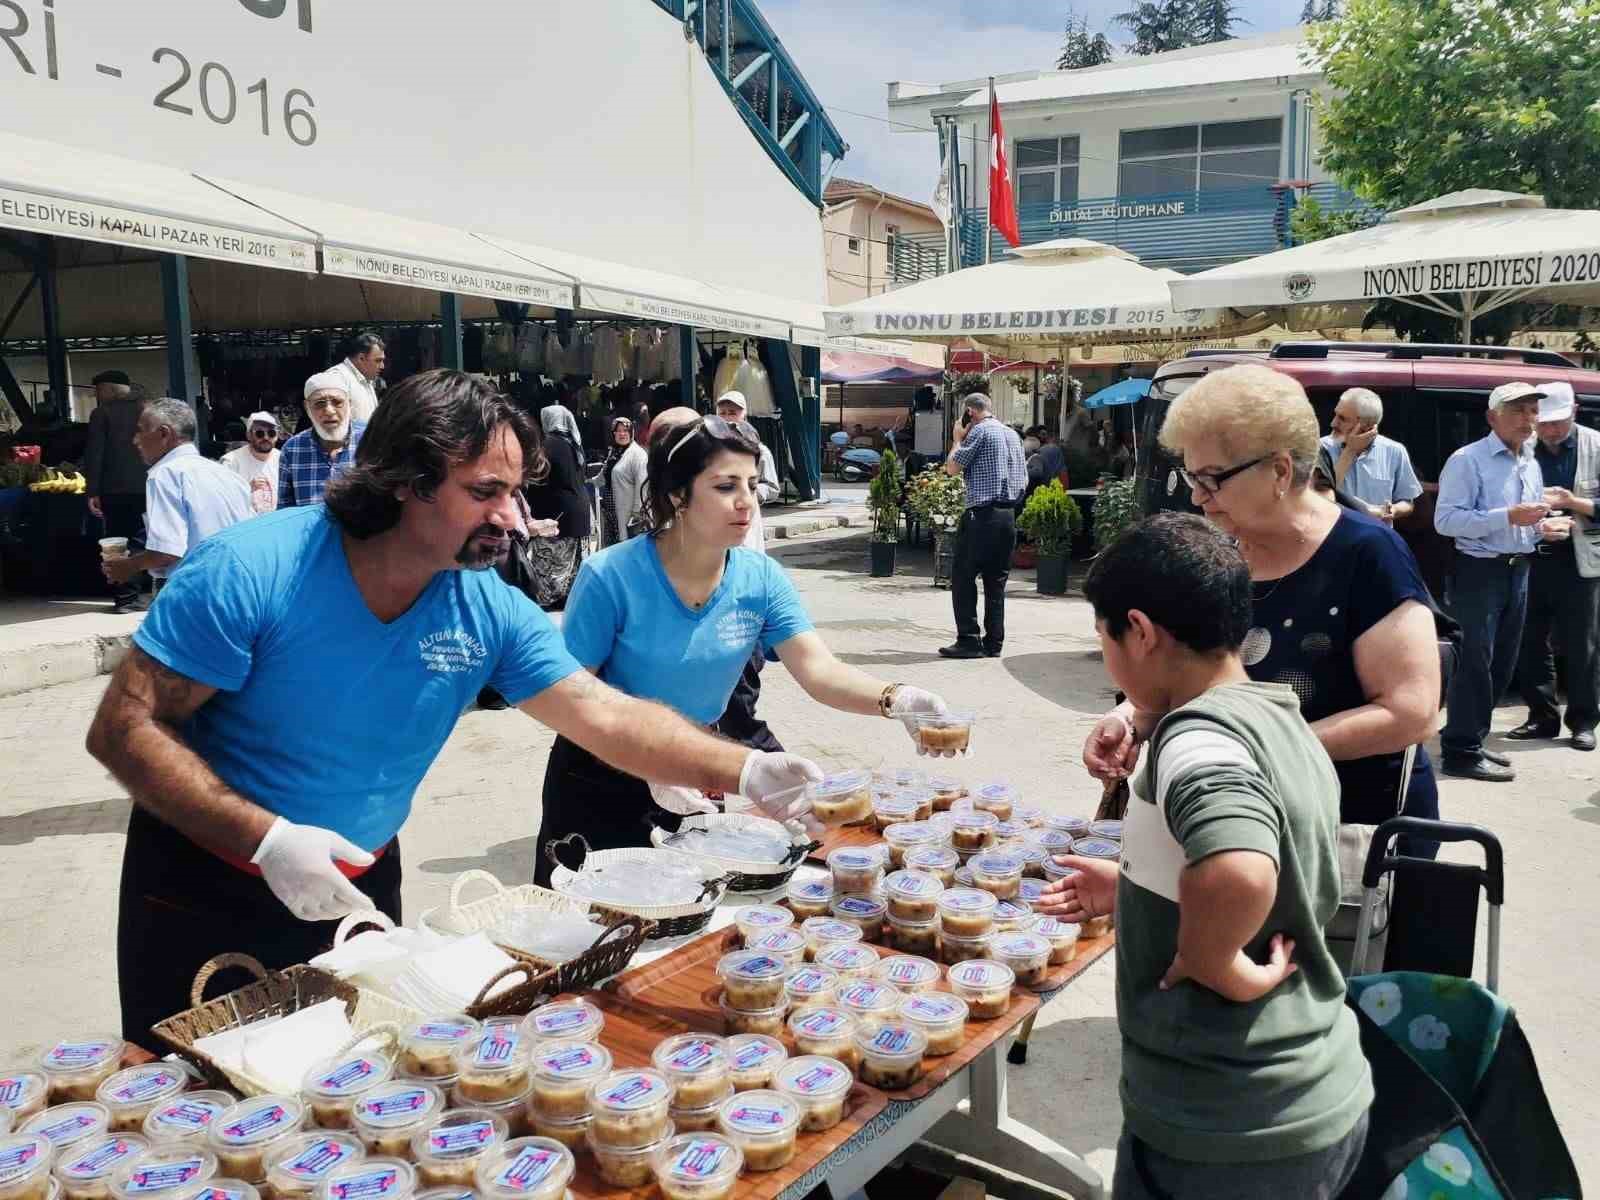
(908, 972)
(826, 1030)
(787, 944)
(763, 1124)
(65, 1125)
(942, 1016)
(825, 933)
(386, 1117)
(998, 872)
(185, 1117)
(967, 912)
(1012, 916)
(752, 980)
(996, 797)
(130, 1095)
(912, 937)
(973, 831)
(811, 984)
(562, 1073)
(530, 1168)
(856, 869)
(841, 798)
(985, 985)
(25, 1167)
(891, 1053)
(865, 911)
(333, 1085)
(299, 1167)
(901, 838)
(75, 1068)
(374, 1179)
(448, 1151)
(166, 1172)
(937, 860)
(953, 949)
(630, 1109)
(894, 808)
(754, 1060)
(868, 1000)
(1062, 936)
(697, 1166)
(810, 896)
(569, 1021)
(628, 1166)
(428, 1048)
(113, 547)
(818, 1084)
(913, 895)
(696, 1065)
(22, 1094)
(1026, 953)
(242, 1137)
(946, 791)
(949, 734)
(757, 919)
(851, 961)
(85, 1170)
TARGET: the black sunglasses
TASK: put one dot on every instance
(263, 431)
(1210, 482)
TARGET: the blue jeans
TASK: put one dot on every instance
(1489, 596)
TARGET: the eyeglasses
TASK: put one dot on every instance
(1210, 482)
(722, 431)
(263, 431)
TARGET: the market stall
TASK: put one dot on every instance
(717, 1042)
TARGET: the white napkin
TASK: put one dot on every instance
(450, 977)
(553, 937)
(280, 1050)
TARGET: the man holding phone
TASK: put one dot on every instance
(988, 455)
(1369, 469)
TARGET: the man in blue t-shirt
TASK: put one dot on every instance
(300, 673)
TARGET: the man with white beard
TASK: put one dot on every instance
(312, 457)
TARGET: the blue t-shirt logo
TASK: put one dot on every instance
(452, 650)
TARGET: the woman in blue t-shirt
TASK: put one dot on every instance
(674, 616)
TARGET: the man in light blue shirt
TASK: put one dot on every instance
(187, 497)
(1491, 501)
(1370, 469)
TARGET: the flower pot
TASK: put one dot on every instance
(882, 559)
(1054, 570)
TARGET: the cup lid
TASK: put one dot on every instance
(892, 1039)
(858, 908)
(461, 1133)
(907, 971)
(1097, 847)
(910, 833)
(868, 997)
(1019, 944)
(141, 1085)
(164, 1172)
(973, 901)
(817, 888)
(997, 863)
(764, 916)
(751, 965)
(399, 1104)
(855, 858)
(981, 974)
(822, 1022)
(699, 1158)
(1111, 830)
(82, 1054)
(932, 857)
(895, 804)
(97, 1158)
(811, 980)
(828, 929)
(759, 1113)
(995, 789)
(1053, 841)
(185, 1116)
(814, 1077)
(222, 1189)
(976, 819)
(371, 1179)
(751, 1051)
(849, 958)
(443, 1029)
(66, 1124)
(779, 941)
(257, 1120)
(913, 884)
(1055, 927)
(571, 1060)
(934, 1008)
(310, 1157)
(21, 1088)
(691, 1054)
(526, 1166)
(839, 784)
(630, 1091)
(571, 1020)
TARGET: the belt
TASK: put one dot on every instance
(346, 869)
(1510, 560)
(988, 504)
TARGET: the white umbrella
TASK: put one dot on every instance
(1463, 255)
(1046, 299)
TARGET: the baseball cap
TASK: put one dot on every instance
(1558, 401)
(1510, 393)
(120, 377)
(261, 418)
(734, 398)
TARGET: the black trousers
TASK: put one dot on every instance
(1562, 602)
(740, 722)
(124, 517)
(985, 539)
(1489, 596)
(182, 906)
(583, 795)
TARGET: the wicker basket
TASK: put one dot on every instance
(273, 994)
(671, 920)
(748, 875)
(538, 980)
(609, 955)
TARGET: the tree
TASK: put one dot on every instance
(1311, 11)
(1080, 48)
(1433, 96)
(1158, 25)
(1214, 21)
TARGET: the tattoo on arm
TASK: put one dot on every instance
(135, 734)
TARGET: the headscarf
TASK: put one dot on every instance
(557, 418)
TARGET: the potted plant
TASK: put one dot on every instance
(1051, 518)
(1116, 506)
(938, 499)
(883, 501)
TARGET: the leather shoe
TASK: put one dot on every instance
(991, 651)
(961, 649)
(1480, 769)
(1503, 760)
(1583, 739)
(1533, 731)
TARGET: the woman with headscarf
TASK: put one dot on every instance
(621, 482)
(563, 498)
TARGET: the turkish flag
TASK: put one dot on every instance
(1002, 193)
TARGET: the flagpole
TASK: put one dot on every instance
(988, 226)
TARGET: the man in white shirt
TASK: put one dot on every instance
(1372, 470)
(361, 371)
(187, 497)
(256, 462)
(739, 721)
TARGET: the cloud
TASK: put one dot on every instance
(849, 52)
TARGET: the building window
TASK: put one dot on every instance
(854, 245)
(1047, 171)
(1226, 157)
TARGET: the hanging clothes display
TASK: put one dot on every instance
(608, 366)
(530, 350)
(554, 356)
(739, 373)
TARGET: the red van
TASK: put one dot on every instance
(1434, 401)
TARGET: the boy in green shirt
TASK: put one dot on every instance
(1242, 1071)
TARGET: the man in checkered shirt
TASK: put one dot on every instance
(989, 455)
(312, 457)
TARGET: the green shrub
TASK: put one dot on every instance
(883, 499)
(1116, 506)
(1051, 518)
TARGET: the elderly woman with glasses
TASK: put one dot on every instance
(1340, 611)
(674, 616)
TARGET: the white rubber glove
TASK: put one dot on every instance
(681, 800)
(911, 703)
(776, 785)
(297, 863)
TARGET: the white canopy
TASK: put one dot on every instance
(1464, 255)
(1047, 298)
(47, 188)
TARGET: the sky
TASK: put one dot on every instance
(849, 50)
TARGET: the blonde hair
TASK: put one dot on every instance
(1253, 411)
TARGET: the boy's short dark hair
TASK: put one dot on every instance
(1183, 573)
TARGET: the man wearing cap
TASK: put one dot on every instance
(256, 462)
(1492, 502)
(1564, 580)
(311, 457)
(114, 474)
(740, 722)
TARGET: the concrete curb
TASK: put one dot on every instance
(60, 662)
(800, 528)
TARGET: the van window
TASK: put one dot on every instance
(1458, 418)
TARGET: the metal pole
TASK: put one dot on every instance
(988, 208)
(182, 383)
(688, 364)
(55, 348)
(451, 353)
